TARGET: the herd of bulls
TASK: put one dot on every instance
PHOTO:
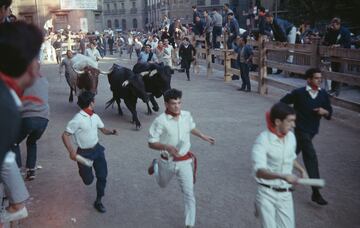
(146, 82)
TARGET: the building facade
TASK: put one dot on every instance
(125, 15)
(39, 11)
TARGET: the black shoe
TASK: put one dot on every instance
(248, 90)
(317, 198)
(241, 89)
(30, 175)
(278, 72)
(99, 207)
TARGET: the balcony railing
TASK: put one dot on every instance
(133, 10)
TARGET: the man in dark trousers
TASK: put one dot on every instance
(337, 36)
(244, 59)
(208, 29)
(84, 128)
(111, 44)
(217, 30)
(187, 54)
(311, 103)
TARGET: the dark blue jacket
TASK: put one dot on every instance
(342, 37)
(281, 28)
(234, 27)
(307, 120)
(247, 51)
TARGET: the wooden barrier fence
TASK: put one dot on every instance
(274, 55)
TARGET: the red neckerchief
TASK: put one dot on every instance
(271, 126)
(313, 87)
(11, 84)
(166, 45)
(171, 113)
(88, 111)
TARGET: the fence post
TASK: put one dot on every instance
(262, 88)
(227, 61)
(208, 60)
(315, 57)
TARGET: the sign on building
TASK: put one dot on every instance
(78, 4)
(84, 24)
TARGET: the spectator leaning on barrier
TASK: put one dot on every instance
(19, 69)
(232, 28)
(244, 59)
(4, 10)
(208, 29)
(227, 10)
(217, 30)
(337, 36)
(283, 31)
(196, 13)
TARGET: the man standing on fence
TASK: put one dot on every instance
(217, 30)
(283, 31)
(337, 36)
(311, 103)
(208, 29)
(170, 134)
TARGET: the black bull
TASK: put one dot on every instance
(129, 93)
(155, 84)
(146, 81)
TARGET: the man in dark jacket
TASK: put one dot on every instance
(232, 27)
(244, 59)
(208, 29)
(311, 103)
(337, 36)
(187, 54)
(283, 31)
(196, 13)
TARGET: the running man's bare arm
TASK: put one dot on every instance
(67, 142)
(106, 131)
(206, 138)
(164, 147)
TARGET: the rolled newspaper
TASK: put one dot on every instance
(312, 182)
(84, 161)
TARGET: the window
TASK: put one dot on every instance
(134, 4)
(108, 7)
(115, 6)
(122, 5)
(109, 23)
(117, 25)
(215, 2)
(123, 24)
(135, 23)
(200, 2)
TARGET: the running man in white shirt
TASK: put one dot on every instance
(84, 128)
(273, 157)
(170, 134)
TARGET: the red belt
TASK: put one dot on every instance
(187, 156)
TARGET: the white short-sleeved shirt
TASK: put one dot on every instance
(84, 128)
(167, 130)
(274, 154)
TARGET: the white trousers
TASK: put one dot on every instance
(183, 170)
(276, 209)
(291, 38)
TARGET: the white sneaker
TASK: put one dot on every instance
(6, 216)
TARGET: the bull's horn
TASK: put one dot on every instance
(152, 73)
(106, 72)
(78, 71)
(144, 73)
